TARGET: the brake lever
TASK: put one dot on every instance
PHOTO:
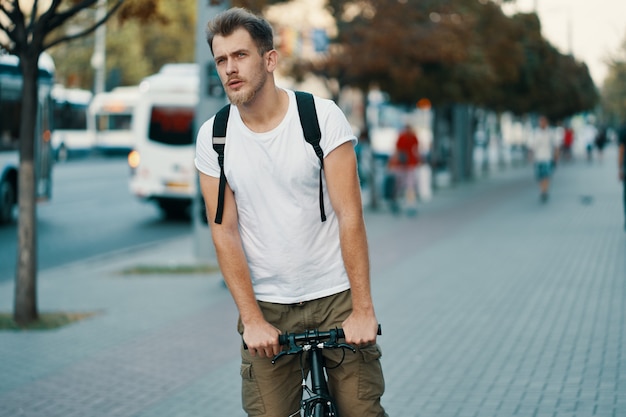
(293, 349)
(281, 354)
(347, 346)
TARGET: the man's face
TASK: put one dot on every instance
(241, 68)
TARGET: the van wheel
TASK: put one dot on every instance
(7, 201)
(175, 209)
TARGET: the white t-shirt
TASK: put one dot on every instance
(293, 256)
(543, 144)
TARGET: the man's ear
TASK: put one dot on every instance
(271, 60)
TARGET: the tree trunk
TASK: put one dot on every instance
(25, 307)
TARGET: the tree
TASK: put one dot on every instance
(614, 88)
(134, 48)
(29, 28)
(454, 51)
(549, 82)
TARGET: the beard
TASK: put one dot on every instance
(248, 92)
(238, 98)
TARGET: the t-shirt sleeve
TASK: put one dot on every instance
(336, 129)
(206, 157)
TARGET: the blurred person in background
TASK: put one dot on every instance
(404, 163)
(568, 142)
(544, 146)
(601, 140)
(588, 135)
(621, 163)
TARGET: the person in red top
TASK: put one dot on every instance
(404, 164)
(568, 141)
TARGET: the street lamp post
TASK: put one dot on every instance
(98, 59)
(211, 98)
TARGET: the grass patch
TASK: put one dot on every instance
(46, 321)
(170, 270)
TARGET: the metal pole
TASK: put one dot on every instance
(98, 60)
(210, 99)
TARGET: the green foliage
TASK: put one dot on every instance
(139, 41)
(454, 51)
(614, 88)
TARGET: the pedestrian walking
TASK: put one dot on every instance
(292, 248)
(600, 141)
(403, 164)
(568, 142)
(544, 147)
(589, 133)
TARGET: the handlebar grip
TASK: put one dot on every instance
(283, 339)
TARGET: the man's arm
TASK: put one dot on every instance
(345, 194)
(260, 336)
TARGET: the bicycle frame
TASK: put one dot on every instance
(320, 403)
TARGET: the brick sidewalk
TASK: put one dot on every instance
(492, 304)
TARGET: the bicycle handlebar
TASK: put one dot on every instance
(312, 336)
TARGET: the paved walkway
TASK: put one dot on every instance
(492, 305)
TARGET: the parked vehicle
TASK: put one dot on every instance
(162, 167)
(11, 82)
(70, 135)
(111, 119)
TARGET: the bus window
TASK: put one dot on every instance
(113, 122)
(70, 116)
(171, 125)
(10, 124)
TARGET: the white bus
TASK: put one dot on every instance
(70, 135)
(161, 163)
(111, 119)
(10, 117)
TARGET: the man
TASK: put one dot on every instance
(621, 163)
(545, 154)
(285, 268)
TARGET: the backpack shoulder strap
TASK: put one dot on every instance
(219, 141)
(312, 134)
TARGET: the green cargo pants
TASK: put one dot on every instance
(355, 380)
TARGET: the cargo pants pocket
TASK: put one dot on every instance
(251, 399)
(371, 381)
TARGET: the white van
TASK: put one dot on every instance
(162, 168)
(111, 119)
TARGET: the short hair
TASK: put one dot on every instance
(226, 22)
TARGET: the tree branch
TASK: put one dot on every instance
(57, 19)
(33, 16)
(18, 33)
(64, 16)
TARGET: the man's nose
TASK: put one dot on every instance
(230, 66)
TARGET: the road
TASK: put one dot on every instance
(91, 213)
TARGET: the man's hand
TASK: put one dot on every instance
(262, 339)
(360, 329)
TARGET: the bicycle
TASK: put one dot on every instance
(319, 403)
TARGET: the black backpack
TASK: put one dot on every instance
(312, 134)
